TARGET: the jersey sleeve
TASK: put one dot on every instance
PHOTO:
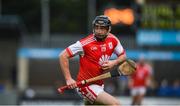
(119, 50)
(75, 49)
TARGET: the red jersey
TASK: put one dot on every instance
(140, 75)
(93, 54)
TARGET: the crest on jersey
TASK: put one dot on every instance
(110, 45)
(103, 47)
(103, 59)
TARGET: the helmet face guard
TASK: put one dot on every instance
(103, 21)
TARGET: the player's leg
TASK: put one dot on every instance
(95, 94)
(90, 93)
(105, 98)
(139, 95)
(134, 95)
(142, 92)
(139, 99)
(134, 100)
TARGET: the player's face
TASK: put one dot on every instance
(100, 31)
(141, 61)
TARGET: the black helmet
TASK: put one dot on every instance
(102, 20)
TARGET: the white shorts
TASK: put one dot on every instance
(138, 91)
(90, 92)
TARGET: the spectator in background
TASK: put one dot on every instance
(164, 89)
(176, 88)
(139, 81)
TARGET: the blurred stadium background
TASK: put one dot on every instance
(34, 32)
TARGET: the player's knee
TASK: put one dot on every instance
(116, 103)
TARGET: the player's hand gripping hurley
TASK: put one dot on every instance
(126, 68)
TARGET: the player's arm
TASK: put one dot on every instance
(148, 81)
(64, 57)
(149, 77)
(64, 63)
(130, 82)
(112, 63)
(120, 59)
(121, 56)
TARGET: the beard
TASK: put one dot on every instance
(100, 37)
